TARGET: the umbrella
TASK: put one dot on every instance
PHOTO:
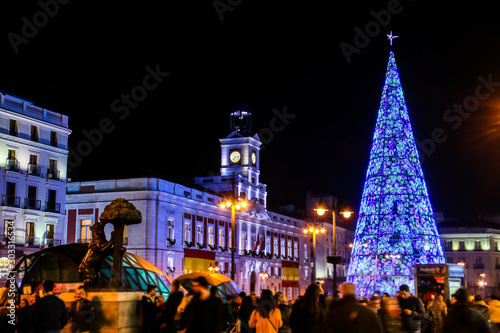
(225, 286)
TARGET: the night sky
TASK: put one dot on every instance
(83, 60)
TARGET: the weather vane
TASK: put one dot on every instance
(390, 37)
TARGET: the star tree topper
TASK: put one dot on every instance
(390, 37)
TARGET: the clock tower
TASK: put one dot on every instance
(239, 161)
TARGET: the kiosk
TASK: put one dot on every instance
(438, 279)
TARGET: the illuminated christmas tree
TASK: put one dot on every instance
(396, 227)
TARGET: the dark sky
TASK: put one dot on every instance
(284, 55)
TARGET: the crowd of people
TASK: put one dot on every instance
(202, 310)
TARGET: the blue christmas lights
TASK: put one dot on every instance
(396, 227)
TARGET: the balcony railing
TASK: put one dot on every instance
(30, 241)
(53, 174)
(477, 266)
(52, 207)
(34, 169)
(10, 200)
(32, 204)
(11, 164)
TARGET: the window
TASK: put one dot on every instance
(268, 245)
(449, 245)
(125, 235)
(222, 237)
(170, 229)
(296, 249)
(199, 234)
(34, 133)
(31, 201)
(275, 246)
(13, 128)
(211, 236)
(187, 232)
(170, 262)
(477, 246)
(6, 224)
(54, 142)
(449, 260)
(282, 245)
(305, 251)
(244, 241)
(33, 165)
(52, 205)
(11, 163)
(461, 245)
(230, 239)
(30, 233)
(85, 233)
(479, 262)
(53, 173)
(50, 231)
(289, 249)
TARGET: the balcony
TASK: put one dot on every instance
(11, 201)
(11, 164)
(30, 241)
(478, 266)
(32, 204)
(34, 169)
(53, 174)
(52, 207)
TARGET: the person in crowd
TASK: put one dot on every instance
(389, 315)
(4, 310)
(205, 312)
(254, 298)
(349, 316)
(285, 314)
(243, 316)
(170, 309)
(22, 316)
(462, 319)
(494, 311)
(436, 312)
(81, 311)
(374, 303)
(412, 310)
(480, 306)
(307, 314)
(149, 311)
(228, 312)
(276, 298)
(236, 306)
(266, 318)
(49, 312)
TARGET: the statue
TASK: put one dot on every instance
(99, 249)
(119, 213)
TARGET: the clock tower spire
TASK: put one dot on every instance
(240, 161)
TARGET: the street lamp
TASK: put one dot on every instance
(213, 268)
(314, 229)
(235, 204)
(334, 259)
(483, 283)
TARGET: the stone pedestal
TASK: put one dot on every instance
(115, 311)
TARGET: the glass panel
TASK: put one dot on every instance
(51, 268)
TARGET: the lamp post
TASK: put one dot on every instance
(314, 229)
(235, 204)
(334, 259)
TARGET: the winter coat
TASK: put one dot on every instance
(462, 319)
(350, 316)
(494, 310)
(270, 324)
(483, 309)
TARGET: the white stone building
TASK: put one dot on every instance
(184, 229)
(33, 162)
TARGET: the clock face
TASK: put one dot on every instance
(235, 157)
(254, 158)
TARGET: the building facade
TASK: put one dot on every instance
(184, 229)
(476, 244)
(33, 161)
